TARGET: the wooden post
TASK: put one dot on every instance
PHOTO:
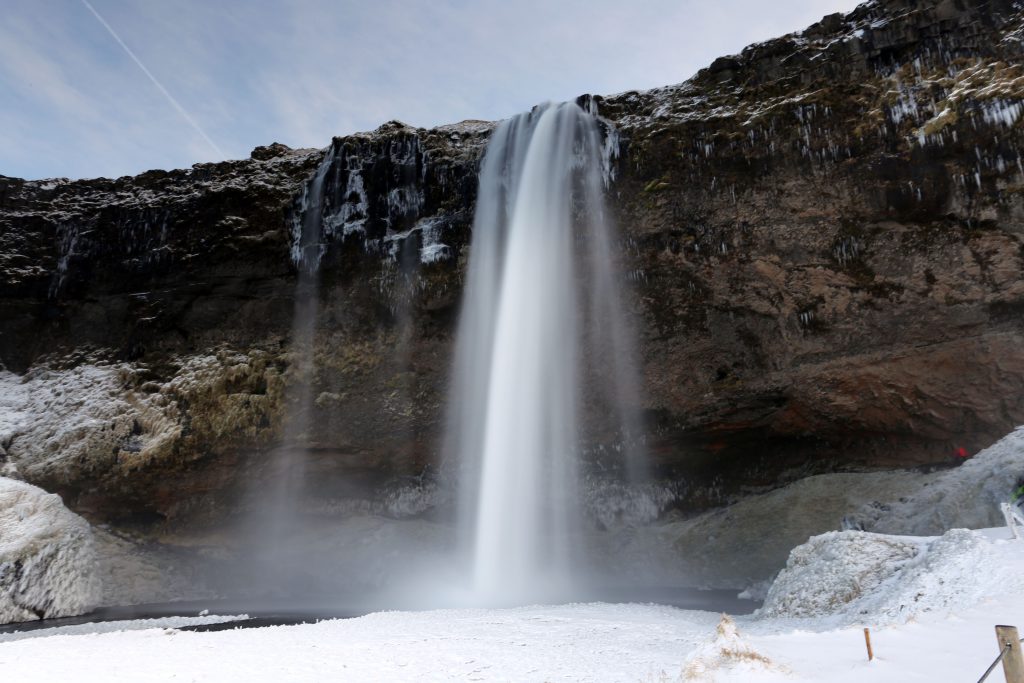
(1013, 663)
(867, 641)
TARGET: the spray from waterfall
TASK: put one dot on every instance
(542, 343)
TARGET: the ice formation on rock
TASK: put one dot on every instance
(966, 496)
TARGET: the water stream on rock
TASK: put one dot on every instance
(275, 517)
(540, 302)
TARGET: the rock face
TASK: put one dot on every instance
(47, 561)
(829, 235)
(821, 238)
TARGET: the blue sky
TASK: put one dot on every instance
(73, 103)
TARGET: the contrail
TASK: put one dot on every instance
(170, 98)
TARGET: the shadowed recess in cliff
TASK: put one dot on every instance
(540, 301)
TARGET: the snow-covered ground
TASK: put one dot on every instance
(932, 605)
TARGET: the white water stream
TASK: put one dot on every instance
(540, 300)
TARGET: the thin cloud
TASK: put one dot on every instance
(151, 77)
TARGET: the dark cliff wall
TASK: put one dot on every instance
(821, 238)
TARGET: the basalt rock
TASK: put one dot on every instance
(820, 236)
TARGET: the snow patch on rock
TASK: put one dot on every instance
(47, 560)
(99, 422)
(13, 399)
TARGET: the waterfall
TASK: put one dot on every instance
(540, 305)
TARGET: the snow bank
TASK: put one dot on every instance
(556, 643)
(859, 577)
(47, 560)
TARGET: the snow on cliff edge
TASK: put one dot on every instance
(47, 560)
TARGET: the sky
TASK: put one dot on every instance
(187, 81)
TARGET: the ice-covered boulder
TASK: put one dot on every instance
(47, 560)
(861, 577)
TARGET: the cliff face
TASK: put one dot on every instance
(821, 236)
(828, 231)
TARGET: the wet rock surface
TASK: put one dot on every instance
(820, 237)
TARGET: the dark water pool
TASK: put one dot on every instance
(281, 611)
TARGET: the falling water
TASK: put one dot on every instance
(272, 565)
(540, 303)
